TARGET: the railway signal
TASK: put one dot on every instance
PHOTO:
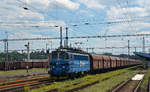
(28, 50)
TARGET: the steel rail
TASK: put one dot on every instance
(24, 80)
(138, 85)
(124, 83)
(19, 85)
(121, 85)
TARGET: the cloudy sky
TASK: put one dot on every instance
(38, 18)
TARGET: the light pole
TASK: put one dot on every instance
(128, 48)
(46, 46)
(28, 50)
(61, 37)
(143, 45)
(6, 46)
(51, 45)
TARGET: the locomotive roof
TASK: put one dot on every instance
(72, 50)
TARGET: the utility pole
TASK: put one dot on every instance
(128, 48)
(92, 50)
(6, 46)
(87, 49)
(28, 50)
(143, 45)
(60, 37)
(66, 37)
(46, 46)
(135, 49)
(7, 49)
(51, 46)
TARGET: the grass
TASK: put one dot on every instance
(145, 80)
(4, 74)
(27, 89)
(106, 85)
(22, 71)
(69, 84)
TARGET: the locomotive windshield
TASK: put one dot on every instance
(60, 56)
(54, 55)
(63, 56)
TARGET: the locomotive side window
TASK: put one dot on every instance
(71, 56)
(61, 55)
(66, 56)
(54, 56)
(80, 57)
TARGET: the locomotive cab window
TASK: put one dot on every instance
(66, 56)
(63, 56)
(60, 56)
(54, 56)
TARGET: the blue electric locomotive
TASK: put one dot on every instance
(66, 62)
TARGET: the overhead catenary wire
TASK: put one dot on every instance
(121, 47)
(34, 9)
(125, 14)
(78, 37)
(36, 24)
(111, 19)
(90, 32)
(85, 23)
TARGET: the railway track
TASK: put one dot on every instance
(15, 77)
(18, 85)
(148, 86)
(131, 85)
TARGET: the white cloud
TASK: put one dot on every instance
(54, 4)
(143, 32)
(68, 4)
(39, 2)
(23, 34)
(143, 3)
(12, 11)
(115, 12)
(138, 13)
(37, 44)
(44, 23)
(86, 13)
(92, 4)
(126, 28)
(116, 43)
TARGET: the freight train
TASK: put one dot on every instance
(72, 62)
(11, 65)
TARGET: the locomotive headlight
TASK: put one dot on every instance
(69, 63)
(63, 66)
